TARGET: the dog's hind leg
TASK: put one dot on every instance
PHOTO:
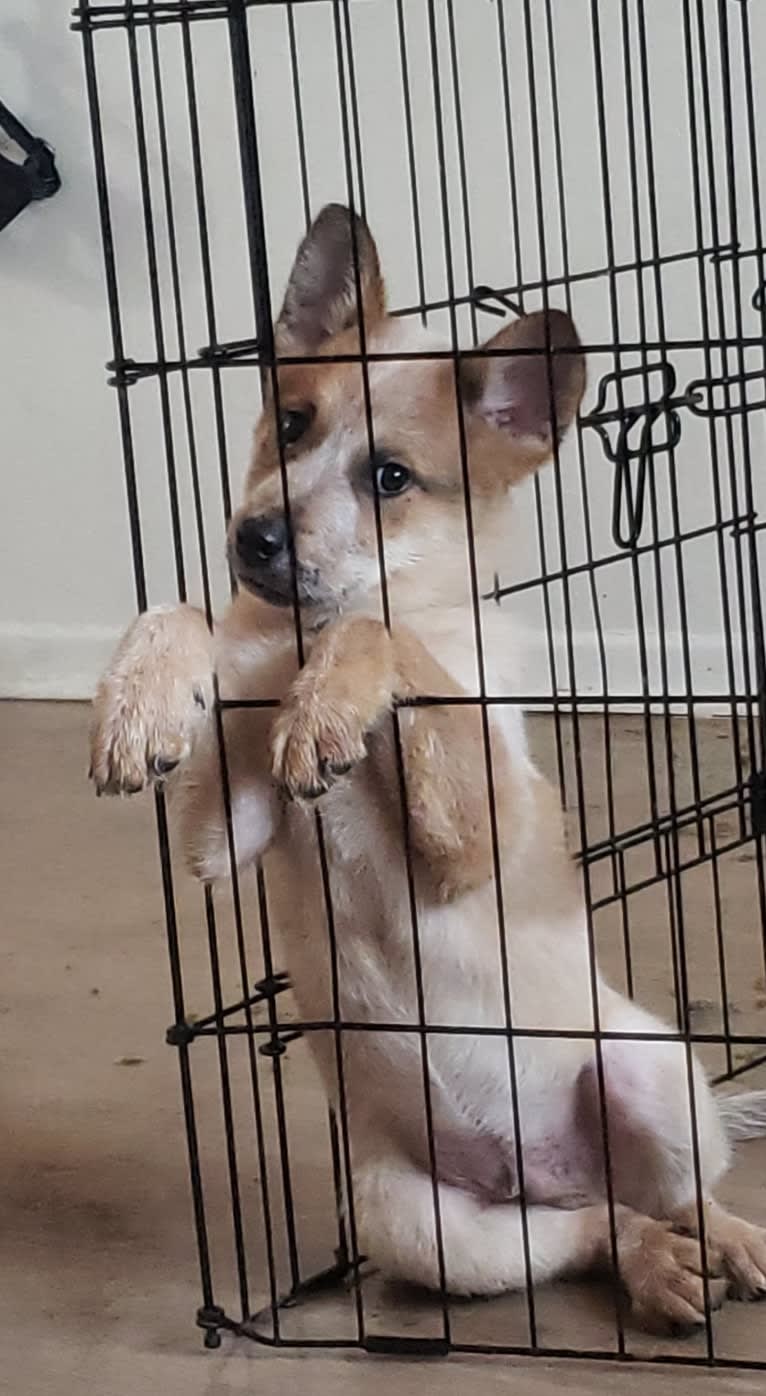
(668, 1141)
(484, 1252)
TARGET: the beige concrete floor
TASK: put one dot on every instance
(98, 1284)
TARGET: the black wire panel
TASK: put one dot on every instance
(598, 155)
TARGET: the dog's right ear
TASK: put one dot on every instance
(321, 297)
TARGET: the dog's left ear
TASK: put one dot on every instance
(323, 293)
(533, 396)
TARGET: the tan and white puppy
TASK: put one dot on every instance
(332, 741)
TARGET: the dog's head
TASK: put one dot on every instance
(385, 465)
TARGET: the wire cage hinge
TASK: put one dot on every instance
(184, 1032)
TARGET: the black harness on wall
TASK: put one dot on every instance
(35, 177)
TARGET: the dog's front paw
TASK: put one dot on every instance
(141, 730)
(744, 1256)
(663, 1274)
(313, 743)
(150, 703)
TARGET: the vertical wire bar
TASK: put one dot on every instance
(545, 586)
(606, 194)
(672, 467)
(171, 922)
(625, 915)
(579, 775)
(279, 1093)
(673, 837)
(723, 580)
(417, 231)
(155, 298)
(582, 466)
(398, 750)
(744, 417)
(259, 262)
(352, 131)
(340, 1071)
(222, 450)
(462, 167)
(758, 617)
(721, 945)
(236, 899)
(707, 112)
(337, 1174)
(228, 1112)
(755, 183)
(676, 913)
(481, 668)
(113, 302)
(298, 110)
(513, 183)
(205, 261)
(250, 165)
(640, 261)
(231, 1146)
(210, 917)
(184, 1062)
(676, 882)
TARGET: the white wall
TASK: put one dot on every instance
(64, 553)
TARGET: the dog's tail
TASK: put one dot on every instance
(743, 1116)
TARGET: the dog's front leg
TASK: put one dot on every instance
(356, 674)
(152, 722)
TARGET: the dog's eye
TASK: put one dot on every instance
(293, 424)
(392, 478)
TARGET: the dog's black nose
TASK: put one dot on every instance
(261, 540)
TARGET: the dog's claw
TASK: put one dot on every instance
(163, 765)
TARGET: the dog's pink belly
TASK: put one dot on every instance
(561, 1170)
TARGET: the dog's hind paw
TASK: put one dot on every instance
(743, 1247)
(663, 1274)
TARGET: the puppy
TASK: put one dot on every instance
(442, 913)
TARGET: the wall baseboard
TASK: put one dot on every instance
(64, 662)
(53, 661)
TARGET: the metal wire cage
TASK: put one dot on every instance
(600, 155)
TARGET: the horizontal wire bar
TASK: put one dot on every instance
(543, 1351)
(685, 866)
(311, 1025)
(573, 278)
(145, 11)
(84, 19)
(735, 524)
(682, 816)
(737, 1071)
(564, 700)
(129, 370)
